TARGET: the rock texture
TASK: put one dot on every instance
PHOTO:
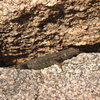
(39, 27)
(79, 79)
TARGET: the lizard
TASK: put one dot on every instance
(49, 59)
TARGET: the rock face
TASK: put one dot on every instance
(38, 27)
(79, 79)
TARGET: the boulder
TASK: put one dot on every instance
(33, 28)
(79, 79)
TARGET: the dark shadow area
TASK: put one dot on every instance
(22, 19)
(94, 1)
(95, 48)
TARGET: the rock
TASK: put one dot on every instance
(79, 79)
(33, 28)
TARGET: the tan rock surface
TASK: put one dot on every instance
(38, 27)
(79, 80)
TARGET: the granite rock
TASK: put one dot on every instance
(78, 79)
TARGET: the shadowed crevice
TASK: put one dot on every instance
(95, 48)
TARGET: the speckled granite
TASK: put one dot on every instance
(78, 79)
(34, 28)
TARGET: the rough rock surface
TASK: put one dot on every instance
(79, 79)
(30, 28)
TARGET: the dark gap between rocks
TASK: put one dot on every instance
(95, 48)
(59, 57)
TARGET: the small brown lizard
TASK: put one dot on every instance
(50, 59)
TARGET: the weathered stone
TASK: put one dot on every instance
(79, 79)
(38, 27)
